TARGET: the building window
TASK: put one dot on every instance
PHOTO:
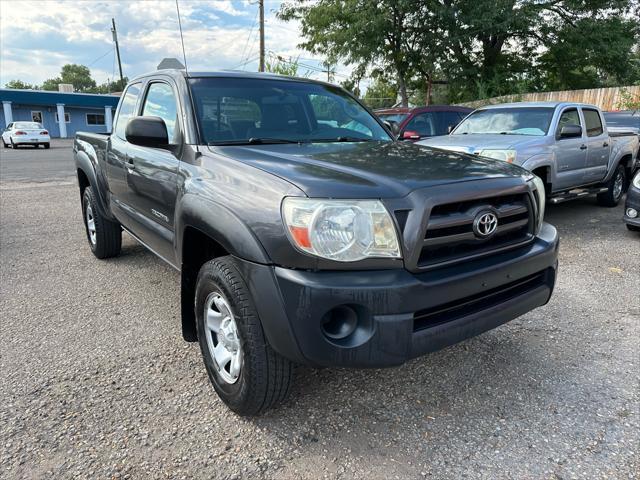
(36, 116)
(95, 119)
(67, 118)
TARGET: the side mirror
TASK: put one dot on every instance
(571, 131)
(393, 126)
(410, 135)
(147, 132)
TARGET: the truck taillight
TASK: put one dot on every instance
(20, 133)
(44, 132)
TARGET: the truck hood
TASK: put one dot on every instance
(474, 143)
(366, 169)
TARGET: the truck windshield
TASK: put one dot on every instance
(507, 121)
(236, 111)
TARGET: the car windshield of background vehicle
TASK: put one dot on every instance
(236, 111)
(28, 125)
(393, 117)
(507, 121)
(623, 119)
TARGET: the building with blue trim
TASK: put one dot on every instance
(61, 113)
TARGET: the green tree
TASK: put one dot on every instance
(19, 84)
(282, 66)
(481, 47)
(381, 93)
(77, 75)
(111, 87)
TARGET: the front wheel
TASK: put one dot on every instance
(615, 188)
(104, 236)
(247, 374)
(633, 228)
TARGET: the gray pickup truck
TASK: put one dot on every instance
(567, 145)
(304, 232)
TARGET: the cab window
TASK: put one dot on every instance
(161, 102)
(592, 122)
(127, 109)
(569, 117)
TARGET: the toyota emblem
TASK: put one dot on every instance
(485, 224)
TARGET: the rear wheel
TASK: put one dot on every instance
(247, 374)
(615, 188)
(104, 236)
(13, 145)
(46, 145)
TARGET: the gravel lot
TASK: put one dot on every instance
(97, 382)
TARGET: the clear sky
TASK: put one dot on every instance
(38, 37)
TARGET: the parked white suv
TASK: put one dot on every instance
(25, 133)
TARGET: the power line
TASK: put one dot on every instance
(101, 56)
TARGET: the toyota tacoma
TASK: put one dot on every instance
(304, 233)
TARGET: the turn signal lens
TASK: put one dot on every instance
(19, 132)
(44, 132)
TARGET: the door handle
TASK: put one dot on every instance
(605, 144)
(128, 161)
(583, 147)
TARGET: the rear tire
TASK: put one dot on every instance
(615, 188)
(13, 145)
(104, 236)
(46, 145)
(263, 377)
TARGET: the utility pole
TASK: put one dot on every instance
(115, 39)
(261, 7)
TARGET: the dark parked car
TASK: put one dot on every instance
(303, 232)
(422, 122)
(632, 206)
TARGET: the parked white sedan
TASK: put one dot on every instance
(25, 133)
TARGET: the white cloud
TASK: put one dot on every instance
(39, 37)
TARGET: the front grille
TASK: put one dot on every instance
(450, 238)
(476, 303)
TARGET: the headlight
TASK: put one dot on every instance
(538, 185)
(636, 180)
(342, 230)
(504, 155)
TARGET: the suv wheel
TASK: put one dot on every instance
(104, 236)
(615, 188)
(247, 374)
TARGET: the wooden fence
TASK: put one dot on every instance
(605, 98)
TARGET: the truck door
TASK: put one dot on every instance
(152, 173)
(597, 146)
(117, 155)
(571, 153)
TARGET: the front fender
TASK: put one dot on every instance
(220, 224)
(542, 161)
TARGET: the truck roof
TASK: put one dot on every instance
(225, 74)
(536, 104)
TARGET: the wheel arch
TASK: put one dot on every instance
(206, 231)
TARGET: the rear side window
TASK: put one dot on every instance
(161, 102)
(592, 122)
(127, 109)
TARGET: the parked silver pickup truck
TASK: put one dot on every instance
(566, 144)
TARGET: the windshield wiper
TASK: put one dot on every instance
(253, 141)
(343, 139)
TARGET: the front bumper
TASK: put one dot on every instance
(400, 315)
(633, 201)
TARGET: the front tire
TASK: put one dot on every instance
(246, 373)
(104, 236)
(615, 188)
(633, 228)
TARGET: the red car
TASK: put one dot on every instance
(420, 122)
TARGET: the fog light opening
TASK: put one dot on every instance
(632, 213)
(339, 322)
